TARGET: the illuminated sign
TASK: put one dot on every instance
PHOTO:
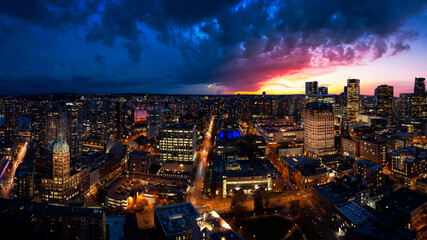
(140, 115)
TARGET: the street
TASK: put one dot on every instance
(7, 182)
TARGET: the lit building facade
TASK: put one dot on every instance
(353, 98)
(63, 186)
(384, 99)
(319, 130)
(408, 162)
(373, 149)
(178, 143)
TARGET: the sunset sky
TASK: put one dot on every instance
(210, 46)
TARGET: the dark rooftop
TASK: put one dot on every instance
(404, 200)
(177, 218)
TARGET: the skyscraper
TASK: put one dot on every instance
(319, 130)
(323, 90)
(384, 99)
(420, 86)
(11, 119)
(418, 100)
(37, 117)
(62, 186)
(56, 121)
(353, 98)
(177, 148)
(74, 118)
(311, 88)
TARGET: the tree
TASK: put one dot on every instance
(285, 175)
(207, 181)
(238, 200)
(101, 196)
(265, 198)
(295, 206)
(258, 206)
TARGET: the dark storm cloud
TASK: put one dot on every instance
(45, 84)
(236, 44)
(100, 60)
(276, 36)
(134, 50)
(57, 14)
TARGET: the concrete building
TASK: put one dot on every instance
(24, 182)
(62, 186)
(405, 206)
(370, 175)
(319, 137)
(421, 185)
(349, 215)
(305, 172)
(350, 147)
(250, 175)
(373, 149)
(30, 220)
(408, 163)
(177, 149)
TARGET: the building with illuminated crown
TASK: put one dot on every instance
(62, 186)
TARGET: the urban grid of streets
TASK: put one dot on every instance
(195, 193)
(202, 203)
(7, 181)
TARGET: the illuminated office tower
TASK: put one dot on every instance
(56, 121)
(311, 88)
(178, 143)
(110, 119)
(384, 99)
(418, 100)
(125, 120)
(353, 98)
(404, 106)
(319, 130)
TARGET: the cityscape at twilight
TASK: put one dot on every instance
(213, 120)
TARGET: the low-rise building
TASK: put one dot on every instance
(421, 185)
(408, 163)
(349, 215)
(373, 149)
(405, 206)
(249, 175)
(210, 226)
(305, 172)
(175, 221)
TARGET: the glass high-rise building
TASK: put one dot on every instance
(311, 88)
(384, 99)
(353, 98)
(420, 86)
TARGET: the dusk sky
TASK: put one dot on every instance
(210, 46)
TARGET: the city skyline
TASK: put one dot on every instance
(213, 47)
